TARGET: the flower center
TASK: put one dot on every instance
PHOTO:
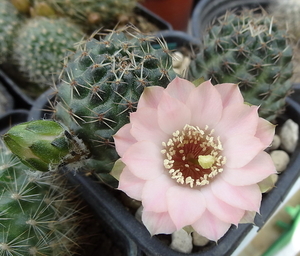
(193, 156)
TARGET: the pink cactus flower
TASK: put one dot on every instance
(194, 155)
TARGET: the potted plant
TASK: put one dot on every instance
(100, 120)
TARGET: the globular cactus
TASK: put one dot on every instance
(10, 20)
(39, 213)
(100, 85)
(91, 13)
(40, 47)
(250, 50)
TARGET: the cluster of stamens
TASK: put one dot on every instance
(193, 156)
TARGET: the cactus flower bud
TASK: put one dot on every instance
(39, 144)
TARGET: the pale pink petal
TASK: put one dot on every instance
(230, 94)
(131, 185)
(240, 150)
(243, 197)
(211, 226)
(145, 126)
(242, 120)
(259, 168)
(123, 139)
(144, 160)
(158, 223)
(154, 193)
(172, 114)
(150, 97)
(185, 205)
(220, 209)
(206, 105)
(180, 89)
(265, 132)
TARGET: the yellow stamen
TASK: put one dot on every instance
(207, 161)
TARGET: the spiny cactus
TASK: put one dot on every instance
(10, 20)
(41, 46)
(250, 50)
(91, 13)
(39, 214)
(100, 85)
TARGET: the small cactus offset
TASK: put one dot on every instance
(41, 46)
(39, 214)
(250, 50)
(10, 20)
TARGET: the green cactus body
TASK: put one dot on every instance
(10, 20)
(101, 86)
(92, 12)
(41, 46)
(39, 215)
(249, 50)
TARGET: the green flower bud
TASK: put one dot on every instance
(39, 144)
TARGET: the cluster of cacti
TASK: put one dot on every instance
(10, 20)
(287, 14)
(40, 48)
(100, 85)
(250, 50)
(91, 13)
(39, 214)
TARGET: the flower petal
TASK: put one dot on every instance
(220, 209)
(158, 223)
(240, 150)
(144, 160)
(206, 105)
(211, 226)
(123, 139)
(265, 132)
(150, 97)
(238, 120)
(185, 205)
(243, 197)
(230, 94)
(154, 193)
(259, 168)
(172, 114)
(180, 89)
(130, 184)
(145, 126)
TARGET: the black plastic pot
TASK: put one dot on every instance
(207, 10)
(21, 100)
(111, 210)
(11, 118)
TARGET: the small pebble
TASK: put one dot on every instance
(275, 143)
(181, 241)
(289, 134)
(199, 240)
(280, 159)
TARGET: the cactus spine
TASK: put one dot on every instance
(250, 50)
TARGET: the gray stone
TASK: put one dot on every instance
(276, 142)
(281, 159)
(289, 134)
(181, 241)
